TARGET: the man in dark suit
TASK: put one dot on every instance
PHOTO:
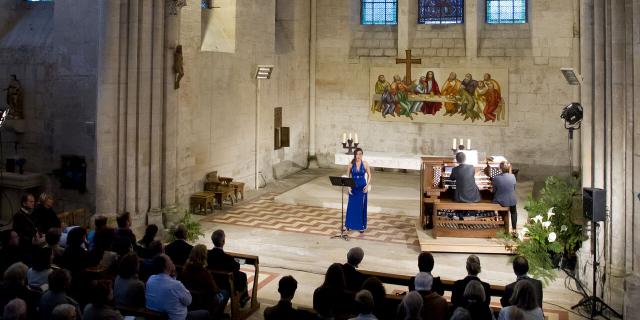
(352, 277)
(520, 268)
(473, 269)
(425, 264)
(434, 305)
(179, 249)
(24, 224)
(464, 175)
(217, 259)
(284, 309)
(504, 191)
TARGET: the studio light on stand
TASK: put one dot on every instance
(572, 116)
(263, 72)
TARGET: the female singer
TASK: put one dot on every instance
(357, 205)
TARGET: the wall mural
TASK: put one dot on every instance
(474, 95)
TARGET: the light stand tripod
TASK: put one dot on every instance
(342, 182)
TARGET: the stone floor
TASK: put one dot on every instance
(294, 239)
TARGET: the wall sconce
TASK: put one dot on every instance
(264, 72)
(571, 76)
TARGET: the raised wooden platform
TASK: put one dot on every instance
(458, 245)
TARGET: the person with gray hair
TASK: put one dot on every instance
(410, 308)
(64, 312)
(473, 269)
(59, 282)
(460, 313)
(364, 305)
(434, 305)
(14, 284)
(219, 260)
(474, 301)
(16, 309)
(352, 277)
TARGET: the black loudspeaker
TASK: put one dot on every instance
(594, 203)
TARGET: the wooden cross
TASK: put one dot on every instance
(408, 61)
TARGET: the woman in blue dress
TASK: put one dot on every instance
(357, 205)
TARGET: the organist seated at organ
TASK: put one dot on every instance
(465, 181)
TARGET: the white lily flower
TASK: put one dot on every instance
(546, 224)
(550, 213)
(537, 218)
(524, 230)
(552, 237)
(563, 228)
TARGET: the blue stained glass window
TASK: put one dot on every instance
(379, 12)
(507, 11)
(440, 11)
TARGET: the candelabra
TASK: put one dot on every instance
(350, 146)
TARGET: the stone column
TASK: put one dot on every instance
(403, 27)
(144, 105)
(157, 109)
(131, 116)
(170, 106)
(122, 107)
(471, 28)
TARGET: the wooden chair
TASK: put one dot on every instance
(77, 217)
(225, 280)
(222, 188)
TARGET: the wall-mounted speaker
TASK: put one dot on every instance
(594, 203)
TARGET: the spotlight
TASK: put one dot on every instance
(572, 115)
(3, 116)
(264, 71)
(571, 76)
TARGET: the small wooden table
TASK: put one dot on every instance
(238, 187)
(223, 194)
(202, 201)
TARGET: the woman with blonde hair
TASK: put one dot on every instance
(199, 281)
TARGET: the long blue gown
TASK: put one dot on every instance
(357, 205)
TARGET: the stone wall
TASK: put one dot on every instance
(535, 136)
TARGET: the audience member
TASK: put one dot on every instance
(284, 309)
(64, 311)
(217, 259)
(426, 264)
(434, 305)
(10, 252)
(376, 287)
(475, 301)
(75, 257)
(99, 222)
(14, 284)
(38, 274)
(166, 294)
(460, 313)
(352, 277)
(524, 299)
(98, 307)
(24, 224)
(411, 307)
(147, 267)
(364, 306)
(102, 254)
(59, 282)
(142, 246)
(124, 236)
(52, 238)
(128, 291)
(473, 269)
(332, 296)
(179, 249)
(44, 216)
(520, 268)
(16, 309)
(197, 278)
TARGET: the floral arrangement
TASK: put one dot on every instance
(549, 231)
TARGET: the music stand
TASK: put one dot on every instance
(342, 182)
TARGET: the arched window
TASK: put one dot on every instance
(379, 12)
(506, 11)
(440, 11)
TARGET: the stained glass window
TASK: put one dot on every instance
(39, 0)
(506, 11)
(440, 11)
(379, 12)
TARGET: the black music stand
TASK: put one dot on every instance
(342, 182)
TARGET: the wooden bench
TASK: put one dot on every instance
(238, 313)
(482, 227)
(201, 201)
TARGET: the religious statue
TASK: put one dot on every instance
(178, 66)
(15, 97)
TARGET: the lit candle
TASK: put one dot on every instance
(454, 144)
(356, 140)
(344, 137)
(468, 144)
(349, 135)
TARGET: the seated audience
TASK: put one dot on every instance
(332, 296)
(99, 222)
(44, 216)
(24, 224)
(64, 312)
(352, 277)
(364, 306)
(179, 249)
(217, 259)
(434, 305)
(460, 313)
(473, 269)
(376, 287)
(520, 268)
(16, 309)
(10, 252)
(128, 291)
(524, 300)
(410, 308)
(52, 238)
(284, 310)
(102, 254)
(425, 264)
(75, 257)
(147, 266)
(14, 284)
(98, 307)
(464, 177)
(474, 301)
(166, 294)
(59, 282)
(124, 235)
(38, 274)
(197, 278)
(142, 246)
